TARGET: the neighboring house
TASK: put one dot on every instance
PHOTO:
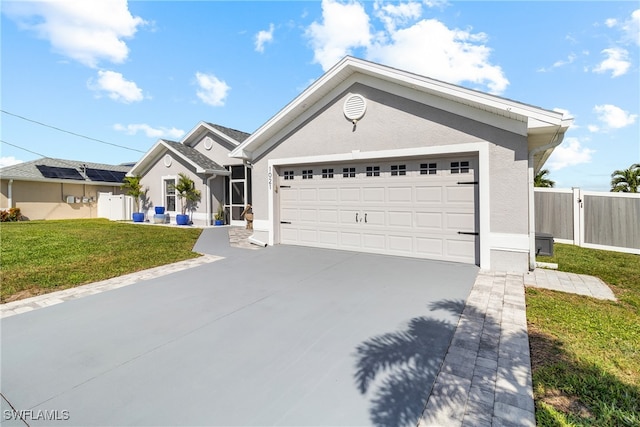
(58, 189)
(203, 155)
(375, 159)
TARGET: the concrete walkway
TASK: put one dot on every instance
(485, 379)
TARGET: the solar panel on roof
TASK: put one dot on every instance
(59, 173)
(105, 175)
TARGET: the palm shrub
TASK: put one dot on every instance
(187, 193)
(626, 180)
(133, 186)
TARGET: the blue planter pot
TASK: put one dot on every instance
(219, 222)
(182, 219)
(138, 217)
(159, 210)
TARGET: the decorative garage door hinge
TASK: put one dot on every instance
(468, 182)
(285, 222)
(470, 233)
(285, 186)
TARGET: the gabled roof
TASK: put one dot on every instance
(547, 125)
(49, 169)
(232, 136)
(199, 161)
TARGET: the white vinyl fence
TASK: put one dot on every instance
(115, 207)
(599, 220)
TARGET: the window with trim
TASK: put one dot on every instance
(460, 167)
(307, 174)
(398, 170)
(348, 172)
(327, 173)
(373, 170)
(288, 175)
(428, 168)
(170, 194)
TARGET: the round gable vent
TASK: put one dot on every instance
(208, 143)
(354, 107)
(167, 160)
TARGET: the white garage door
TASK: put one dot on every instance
(420, 208)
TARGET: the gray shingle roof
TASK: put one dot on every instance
(194, 156)
(237, 135)
(28, 171)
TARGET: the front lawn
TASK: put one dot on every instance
(585, 353)
(45, 256)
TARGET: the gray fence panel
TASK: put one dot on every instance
(554, 214)
(612, 221)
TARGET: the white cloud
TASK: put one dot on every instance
(429, 47)
(614, 117)
(264, 37)
(569, 153)
(161, 132)
(393, 15)
(344, 27)
(117, 87)
(9, 161)
(213, 91)
(611, 22)
(631, 27)
(425, 47)
(616, 62)
(593, 128)
(86, 31)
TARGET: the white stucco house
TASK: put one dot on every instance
(375, 159)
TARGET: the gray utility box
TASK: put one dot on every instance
(544, 244)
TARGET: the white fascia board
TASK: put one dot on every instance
(62, 181)
(140, 167)
(196, 132)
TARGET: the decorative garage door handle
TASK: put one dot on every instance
(356, 216)
(365, 218)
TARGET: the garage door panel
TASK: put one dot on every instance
(429, 220)
(288, 195)
(461, 249)
(349, 194)
(460, 221)
(329, 238)
(459, 194)
(374, 217)
(289, 214)
(308, 194)
(373, 195)
(289, 234)
(399, 243)
(400, 194)
(373, 241)
(328, 194)
(429, 194)
(350, 240)
(429, 246)
(400, 219)
(328, 216)
(308, 235)
(350, 216)
(308, 215)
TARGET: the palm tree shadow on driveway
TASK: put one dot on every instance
(398, 369)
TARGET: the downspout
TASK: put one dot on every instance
(555, 141)
(10, 194)
(209, 195)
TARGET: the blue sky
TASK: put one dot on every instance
(128, 73)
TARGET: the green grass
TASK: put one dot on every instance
(45, 256)
(586, 352)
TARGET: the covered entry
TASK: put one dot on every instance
(425, 208)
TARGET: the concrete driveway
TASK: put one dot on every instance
(278, 336)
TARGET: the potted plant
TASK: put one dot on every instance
(188, 195)
(219, 217)
(133, 187)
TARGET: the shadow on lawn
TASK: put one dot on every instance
(399, 368)
(575, 392)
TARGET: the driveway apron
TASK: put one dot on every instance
(279, 336)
